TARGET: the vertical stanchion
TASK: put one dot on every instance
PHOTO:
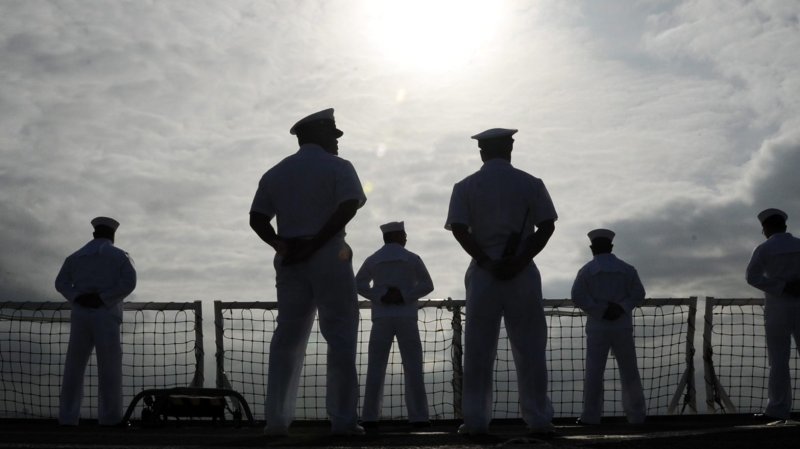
(221, 381)
(219, 334)
(690, 399)
(199, 353)
(687, 379)
(457, 353)
(715, 393)
(708, 364)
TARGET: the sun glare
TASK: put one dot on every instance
(431, 34)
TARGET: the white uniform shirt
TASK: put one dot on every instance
(304, 189)
(394, 266)
(773, 263)
(99, 267)
(503, 195)
(603, 280)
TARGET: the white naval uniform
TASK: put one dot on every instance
(603, 280)
(302, 192)
(99, 267)
(773, 263)
(394, 266)
(495, 202)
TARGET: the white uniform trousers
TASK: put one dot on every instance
(90, 329)
(383, 332)
(519, 303)
(782, 321)
(598, 344)
(323, 283)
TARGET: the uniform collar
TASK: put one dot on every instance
(496, 162)
(95, 246)
(391, 251)
(780, 235)
(606, 262)
(311, 147)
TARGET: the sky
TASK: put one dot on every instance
(671, 122)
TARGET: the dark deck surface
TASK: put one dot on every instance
(688, 431)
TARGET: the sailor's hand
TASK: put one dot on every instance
(613, 311)
(90, 300)
(280, 246)
(792, 288)
(392, 296)
(298, 250)
(509, 267)
(486, 262)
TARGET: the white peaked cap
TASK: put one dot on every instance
(324, 115)
(105, 221)
(393, 226)
(601, 233)
(494, 133)
(766, 213)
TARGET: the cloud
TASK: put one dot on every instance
(701, 246)
(671, 121)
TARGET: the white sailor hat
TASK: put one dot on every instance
(766, 213)
(601, 233)
(105, 221)
(322, 117)
(393, 226)
(494, 133)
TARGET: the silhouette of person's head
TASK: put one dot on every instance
(399, 237)
(774, 224)
(601, 245)
(394, 232)
(601, 241)
(495, 143)
(773, 221)
(496, 148)
(104, 228)
(104, 232)
(319, 128)
(324, 134)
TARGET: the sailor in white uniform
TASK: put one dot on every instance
(774, 269)
(607, 290)
(393, 279)
(312, 194)
(503, 217)
(95, 280)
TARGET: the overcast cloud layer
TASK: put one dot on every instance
(671, 122)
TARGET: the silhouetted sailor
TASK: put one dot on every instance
(393, 279)
(503, 217)
(95, 279)
(775, 269)
(607, 290)
(312, 194)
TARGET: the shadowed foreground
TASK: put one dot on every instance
(703, 431)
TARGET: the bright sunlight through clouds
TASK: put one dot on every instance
(425, 36)
(672, 122)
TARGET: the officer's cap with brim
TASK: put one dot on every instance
(324, 117)
(494, 133)
(394, 226)
(768, 213)
(601, 234)
(106, 222)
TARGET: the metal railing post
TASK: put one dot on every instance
(221, 381)
(457, 352)
(715, 393)
(687, 379)
(199, 353)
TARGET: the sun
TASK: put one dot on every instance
(431, 35)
